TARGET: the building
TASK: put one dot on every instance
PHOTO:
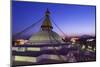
(46, 46)
(46, 35)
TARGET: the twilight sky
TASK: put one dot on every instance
(72, 19)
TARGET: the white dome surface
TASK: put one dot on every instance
(45, 37)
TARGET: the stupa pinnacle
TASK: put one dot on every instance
(47, 25)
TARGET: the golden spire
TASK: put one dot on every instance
(47, 23)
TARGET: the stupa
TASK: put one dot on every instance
(46, 35)
(44, 47)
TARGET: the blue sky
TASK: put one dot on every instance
(72, 19)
